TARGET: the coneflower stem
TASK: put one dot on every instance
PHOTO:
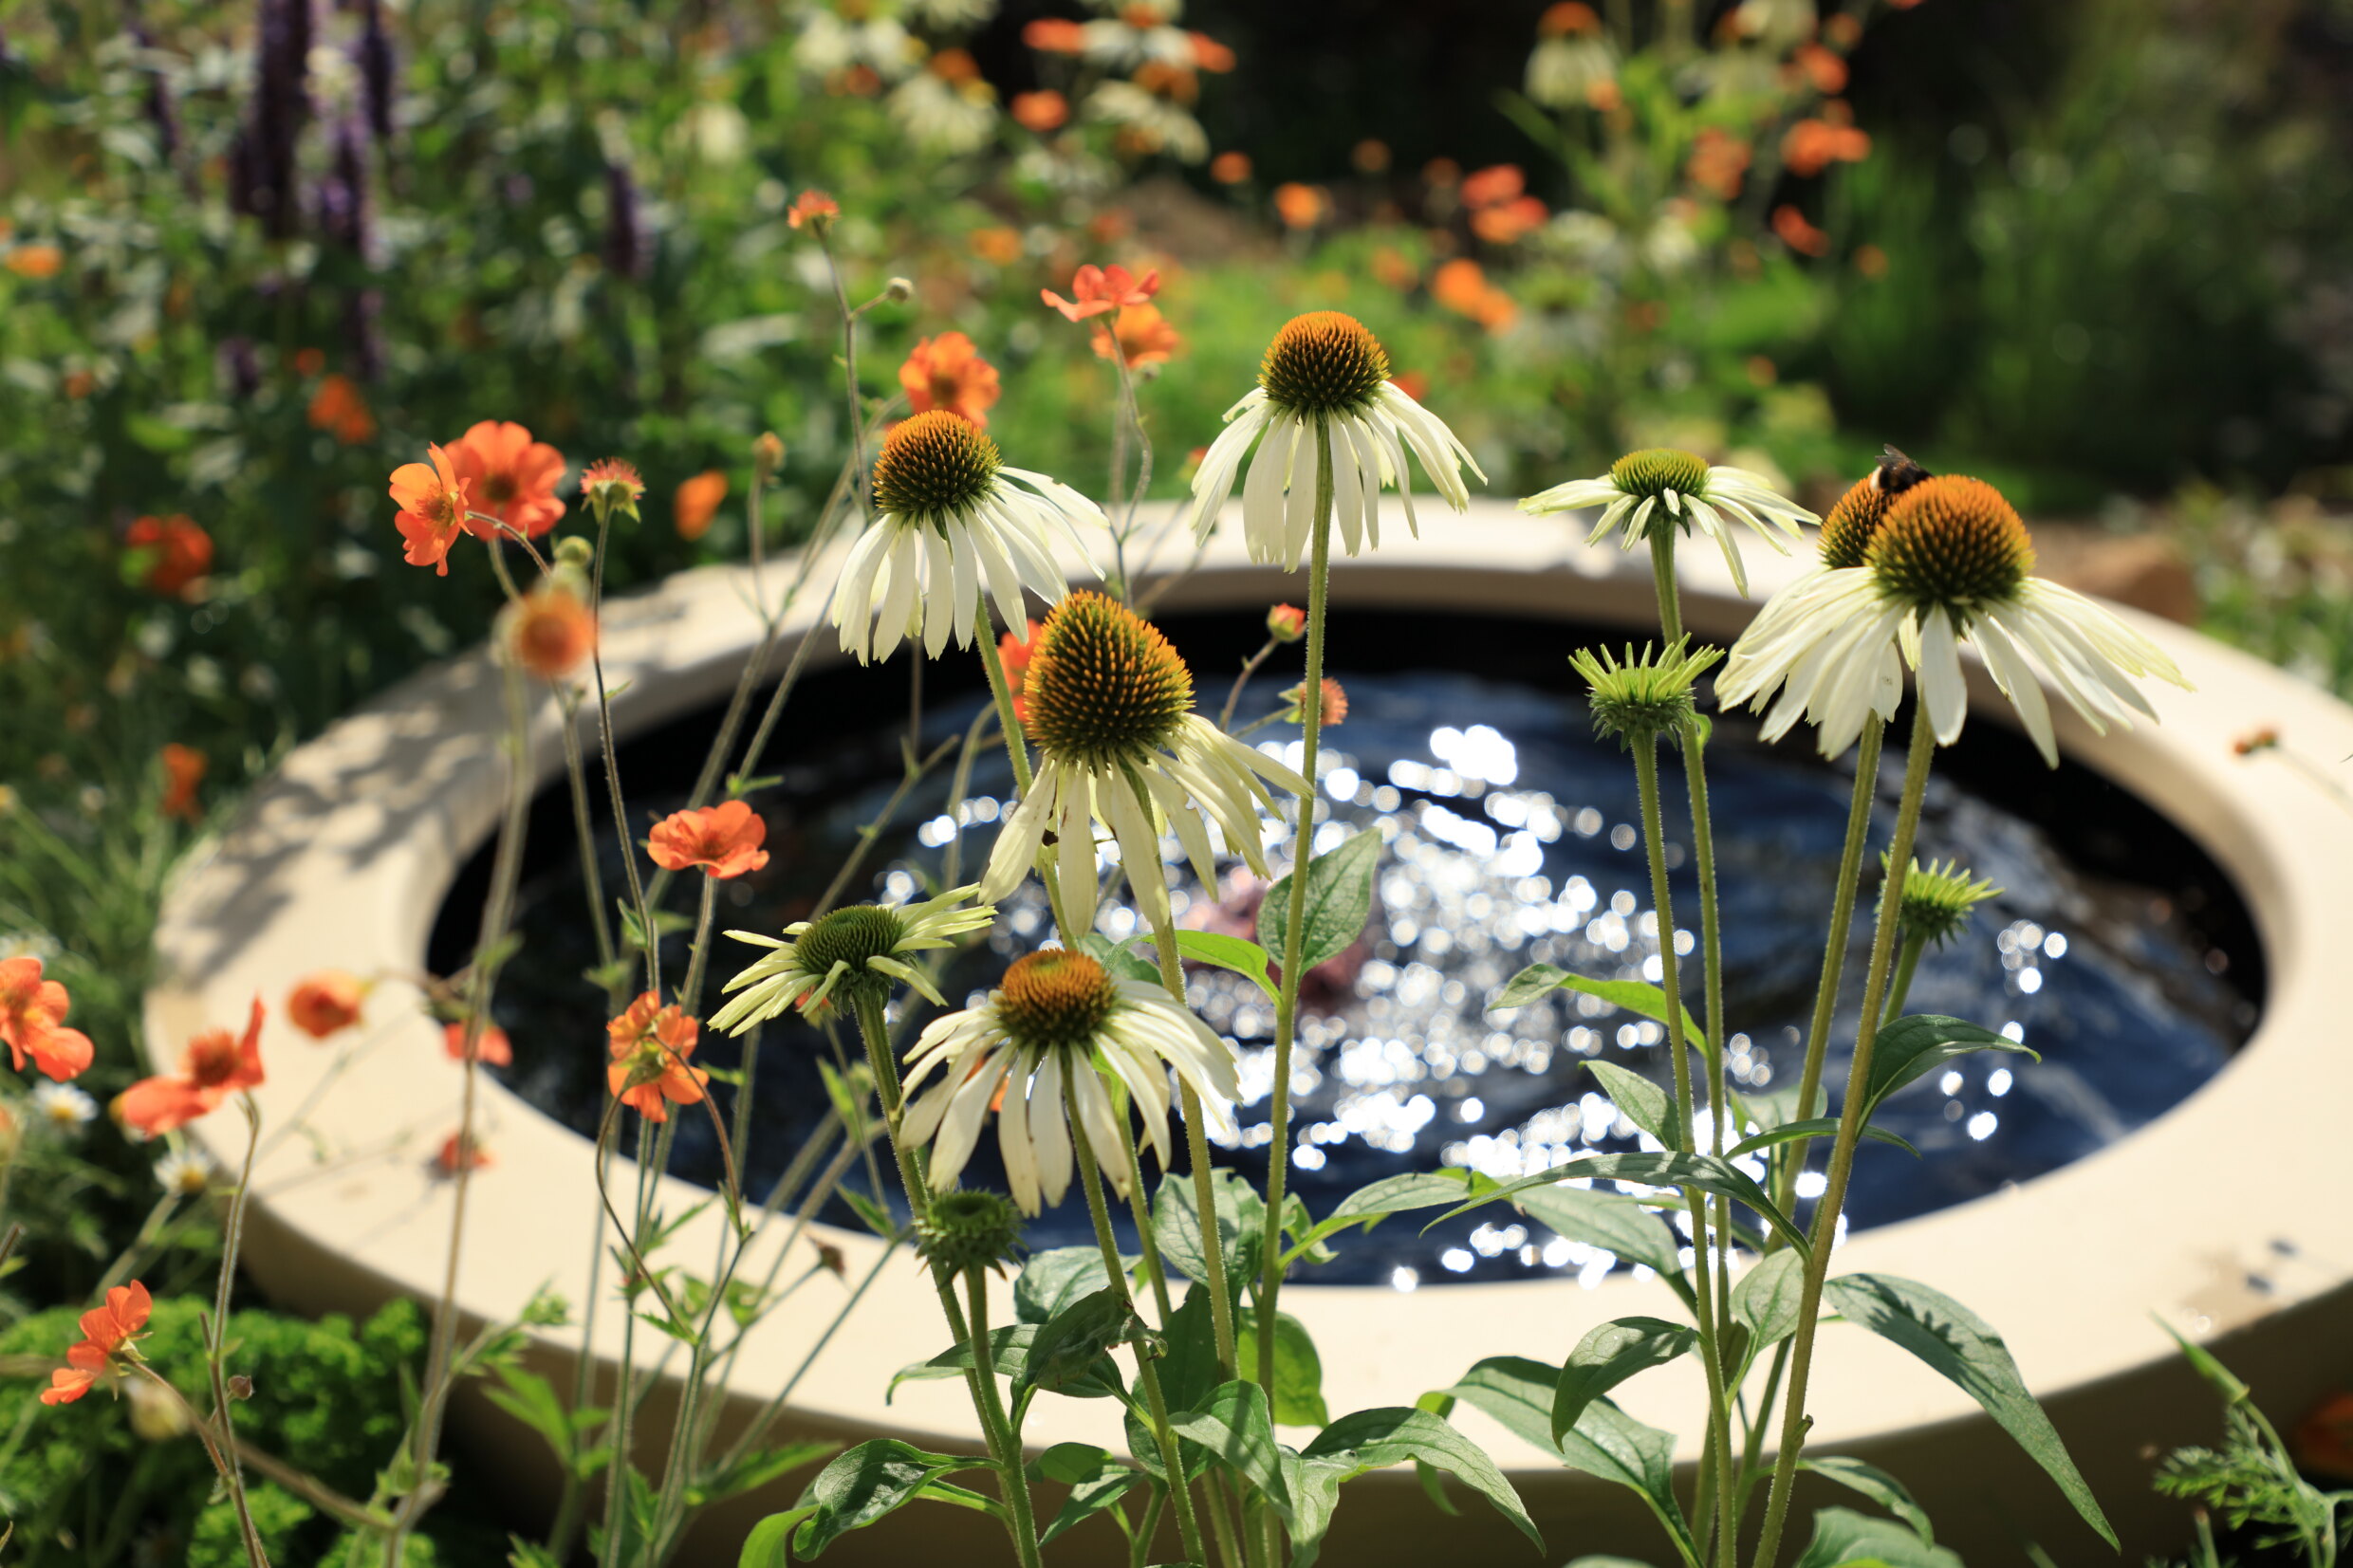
(1794, 1422)
(1294, 928)
(1907, 960)
(1147, 1373)
(1662, 580)
(1016, 740)
(1011, 1478)
(1703, 1291)
(1833, 956)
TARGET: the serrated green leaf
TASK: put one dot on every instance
(758, 1469)
(1956, 1342)
(1340, 900)
(1914, 1046)
(1634, 996)
(1612, 1446)
(1177, 1223)
(1844, 1538)
(1244, 958)
(868, 1482)
(1609, 1355)
(1374, 1439)
(1646, 1104)
(1009, 1352)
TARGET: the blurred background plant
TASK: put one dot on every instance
(254, 255)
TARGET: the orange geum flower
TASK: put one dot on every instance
(83, 1362)
(1055, 36)
(1230, 168)
(1718, 162)
(612, 485)
(433, 503)
(551, 630)
(508, 476)
(183, 770)
(1825, 70)
(946, 372)
(1041, 111)
(492, 1049)
(168, 553)
(33, 1014)
(36, 261)
(1095, 290)
(723, 841)
(342, 410)
(214, 1065)
(651, 1043)
(1510, 221)
(1287, 622)
(1335, 704)
(1300, 205)
(1209, 55)
(1495, 185)
(1144, 337)
(1001, 246)
(325, 1003)
(122, 1319)
(478, 1154)
(697, 502)
(1797, 233)
(813, 207)
(1566, 17)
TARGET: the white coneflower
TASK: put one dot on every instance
(1661, 488)
(951, 524)
(850, 953)
(1136, 32)
(832, 41)
(1949, 562)
(946, 114)
(1110, 706)
(185, 1173)
(1573, 56)
(1047, 1038)
(1325, 369)
(62, 1106)
(1152, 121)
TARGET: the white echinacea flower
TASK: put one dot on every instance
(949, 525)
(1945, 561)
(1661, 488)
(1110, 706)
(845, 956)
(1046, 1039)
(1325, 371)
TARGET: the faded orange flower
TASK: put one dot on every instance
(340, 409)
(214, 1065)
(183, 770)
(697, 502)
(32, 1018)
(1797, 233)
(1097, 289)
(1442, 173)
(169, 552)
(2322, 1441)
(723, 841)
(36, 261)
(1566, 17)
(1041, 111)
(1146, 338)
(613, 484)
(492, 1047)
(1055, 36)
(946, 372)
(1813, 145)
(433, 504)
(999, 246)
(1461, 287)
(478, 1156)
(1335, 704)
(1013, 651)
(1393, 269)
(1209, 55)
(1823, 69)
(1719, 161)
(813, 207)
(508, 476)
(324, 1003)
(1493, 186)
(551, 632)
(650, 1044)
(1300, 205)
(1230, 168)
(1508, 222)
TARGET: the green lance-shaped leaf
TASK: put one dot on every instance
(1245, 958)
(1371, 1440)
(1074, 1341)
(1368, 1205)
(1613, 1222)
(1231, 1426)
(1844, 1538)
(1669, 1168)
(1646, 1104)
(1008, 1351)
(1609, 1355)
(868, 1482)
(1177, 1223)
(1051, 1280)
(1958, 1344)
(1767, 1301)
(756, 1468)
(1914, 1046)
(769, 1544)
(1097, 1481)
(1875, 1484)
(1812, 1127)
(1340, 900)
(1298, 1371)
(1120, 959)
(1635, 996)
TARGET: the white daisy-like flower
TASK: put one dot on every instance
(1110, 706)
(1049, 1038)
(1121, 46)
(846, 955)
(1572, 56)
(830, 42)
(1948, 563)
(944, 115)
(1661, 488)
(62, 1106)
(184, 1173)
(1325, 371)
(1158, 124)
(953, 519)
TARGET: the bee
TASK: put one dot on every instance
(1896, 473)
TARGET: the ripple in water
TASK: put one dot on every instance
(1510, 837)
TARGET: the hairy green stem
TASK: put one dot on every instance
(1011, 1478)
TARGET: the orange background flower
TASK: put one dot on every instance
(340, 409)
(1145, 337)
(105, 1329)
(433, 502)
(32, 1015)
(325, 1003)
(1013, 653)
(812, 207)
(551, 632)
(508, 476)
(493, 1050)
(946, 372)
(214, 1065)
(723, 839)
(1097, 289)
(174, 550)
(1041, 111)
(183, 770)
(1300, 205)
(651, 1043)
(36, 261)
(1230, 168)
(697, 502)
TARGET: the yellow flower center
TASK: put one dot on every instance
(934, 464)
(1055, 1000)
(1658, 470)
(1950, 541)
(1323, 362)
(1102, 684)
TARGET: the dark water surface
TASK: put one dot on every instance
(2118, 951)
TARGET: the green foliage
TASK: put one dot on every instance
(2251, 1482)
(1340, 900)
